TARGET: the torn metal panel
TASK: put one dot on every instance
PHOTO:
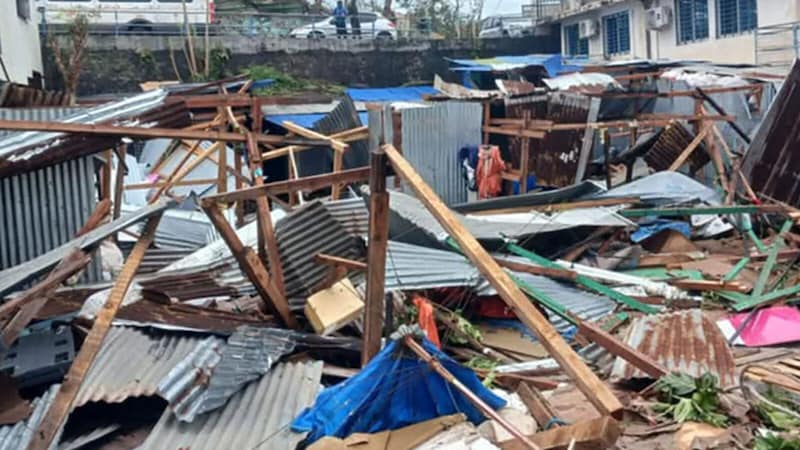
(457, 91)
(182, 316)
(132, 362)
(668, 145)
(18, 274)
(560, 195)
(686, 342)
(19, 435)
(583, 82)
(771, 163)
(13, 95)
(665, 188)
(43, 209)
(257, 417)
(431, 139)
(516, 88)
(554, 159)
(215, 371)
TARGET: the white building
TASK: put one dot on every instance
(19, 40)
(720, 31)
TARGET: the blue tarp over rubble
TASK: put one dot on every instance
(394, 390)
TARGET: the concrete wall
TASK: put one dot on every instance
(119, 64)
(663, 44)
(19, 42)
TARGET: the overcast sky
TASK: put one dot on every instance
(502, 7)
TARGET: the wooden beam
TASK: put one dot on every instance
(355, 134)
(471, 397)
(376, 256)
(618, 348)
(515, 132)
(148, 133)
(62, 403)
(539, 407)
(710, 285)
(550, 272)
(349, 264)
(31, 301)
(200, 182)
(690, 148)
(181, 174)
(119, 182)
(593, 388)
(99, 214)
(311, 134)
(252, 267)
(590, 434)
(283, 187)
(560, 206)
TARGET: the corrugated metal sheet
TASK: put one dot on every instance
(345, 117)
(131, 363)
(18, 274)
(351, 213)
(589, 81)
(554, 159)
(560, 195)
(302, 235)
(213, 373)
(19, 435)
(686, 342)
(43, 209)
(257, 417)
(771, 164)
(13, 95)
(37, 114)
(431, 139)
(411, 267)
(410, 221)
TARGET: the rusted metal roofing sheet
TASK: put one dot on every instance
(131, 363)
(19, 435)
(14, 95)
(686, 342)
(257, 417)
(554, 159)
(772, 163)
(668, 146)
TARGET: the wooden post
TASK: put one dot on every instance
(267, 244)
(105, 176)
(237, 165)
(222, 169)
(474, 399)
(618, 348)
(376, 256)
(525, 156)
(336, 189)
(487, 118)
(687, 152)
(252, 267)
(538, 405)
(607, 156)
(119, 182)
(62, 403)
(587, 381)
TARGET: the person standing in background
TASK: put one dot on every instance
(340, 20)
(355, 23)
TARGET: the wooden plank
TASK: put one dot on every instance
(561, 206)
(252, 267)
(589, 435)
(539, 407)
(179, 175)
(515, 132)
(312, 183)
(687, 152)
(62, 403)
(355, 134)
(338, 163)
(710, 285)
(311, 134)
(148, 133)
(376, 256)
(595, 390)
(196, 182)
(550, 272)
(349, 264)
(31, 301)
(119, 182)
(99, 214)
(588, 140)
(616, 347)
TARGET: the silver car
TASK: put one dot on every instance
(372, 25)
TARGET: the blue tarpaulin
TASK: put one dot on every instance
(553, 63)
(305, 120)
(648, 229)
(394, 390)
(394, 94)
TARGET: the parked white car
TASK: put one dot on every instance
(499, 27)
(372, 25)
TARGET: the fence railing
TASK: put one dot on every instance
(777, 45)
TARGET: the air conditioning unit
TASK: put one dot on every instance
(587, 29)
(658, 17)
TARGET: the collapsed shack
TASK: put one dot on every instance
(190, 268)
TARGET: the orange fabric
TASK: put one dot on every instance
(489, 171)
(426, 320)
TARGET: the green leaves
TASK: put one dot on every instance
(686, 399)
(775, 442)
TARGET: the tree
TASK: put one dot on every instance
(69, 52)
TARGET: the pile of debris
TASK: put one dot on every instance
(189, 268)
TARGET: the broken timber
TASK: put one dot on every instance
(62, 403)
(376, 256)
(252, 266)
(587, 381)
(591, 434)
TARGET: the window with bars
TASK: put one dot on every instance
(575, 45)
(692, 20)
(617, 33)
(736, 16)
